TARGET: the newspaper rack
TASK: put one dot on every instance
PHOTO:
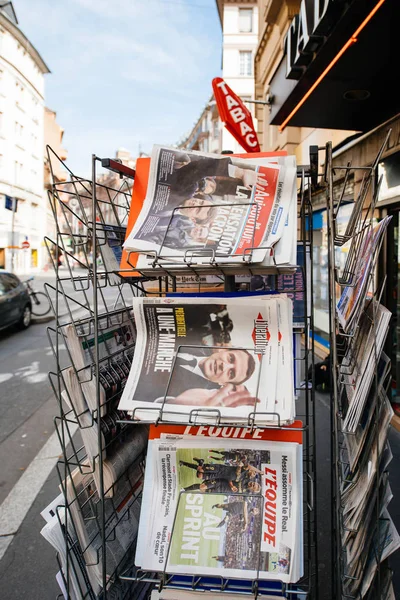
(90, 293)
(365, 574)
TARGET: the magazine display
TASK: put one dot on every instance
(353, 296)
(213, 207)
(223, 506)
(231, 355)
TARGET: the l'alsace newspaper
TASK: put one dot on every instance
(225, 207)
(230, 356)
(224, 502)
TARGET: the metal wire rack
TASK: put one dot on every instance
(360, 451)
(91, 294)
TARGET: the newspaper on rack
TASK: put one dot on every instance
(356, 496)
(116, 342)
(121, 443)
(353, 296)
(122, 451)
(219, 207)
(73, 578)
(230, 355)
(358, 366)
(54, 532)
(111, 423)
(185, 594)
(356, 540)
(223, 506)
(111, 239)
(355, 442)
(384, 542)
(121, 521)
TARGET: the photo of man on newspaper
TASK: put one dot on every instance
(191, 359)
(221, 204)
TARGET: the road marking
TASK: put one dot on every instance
(20, 499)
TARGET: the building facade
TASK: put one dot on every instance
(23, 208)
(239, 22)
(276, 17)
(54, 172)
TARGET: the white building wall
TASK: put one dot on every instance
(235, 41)
(21, 153)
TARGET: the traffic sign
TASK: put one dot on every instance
(25, 245)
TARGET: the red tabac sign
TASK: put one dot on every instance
(235, 116)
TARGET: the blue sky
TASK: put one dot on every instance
(124, 73)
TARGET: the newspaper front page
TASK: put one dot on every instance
(222, 206)
(220, 353)
(353, 296)
(227, 507)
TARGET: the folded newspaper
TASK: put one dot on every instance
(353, 296)
(225, 506)
(358, 367)
(121, 521)
(215, 208)
(116, 341)
(229, 357)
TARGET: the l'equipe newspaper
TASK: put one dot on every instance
(224, 506)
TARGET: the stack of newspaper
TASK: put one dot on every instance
(120, 444)
(223, 501)
(369, 535)
(226, 359)
(208, 210)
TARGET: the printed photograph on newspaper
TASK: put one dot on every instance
(352, 298)
(207, 352)
(225, 505)
(221, 205)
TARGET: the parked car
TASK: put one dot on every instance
(15, 302)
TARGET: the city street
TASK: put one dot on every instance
(29, 451)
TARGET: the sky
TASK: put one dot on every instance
(124, 73)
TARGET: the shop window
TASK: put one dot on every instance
(245, 20)
(34, 257)
(245, 63)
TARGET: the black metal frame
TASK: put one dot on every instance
(89, 306)
(345, 355)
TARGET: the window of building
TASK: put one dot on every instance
(18, 172)
(20, 94)
(246, 63)
(215, 128)
(245, 20)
